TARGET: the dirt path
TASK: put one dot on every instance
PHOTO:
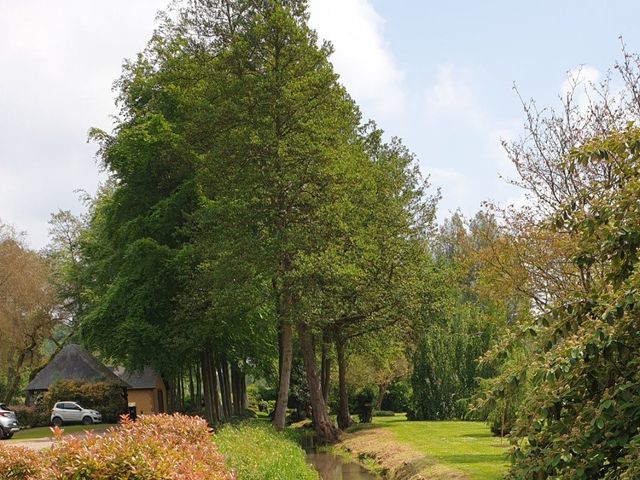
(397, 461)
(34, 444)
(46, 442)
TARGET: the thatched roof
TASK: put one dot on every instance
(138, 380)
(73, 363)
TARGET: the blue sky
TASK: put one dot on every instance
(458, 62)
(437, 74)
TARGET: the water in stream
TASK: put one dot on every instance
(334, 467)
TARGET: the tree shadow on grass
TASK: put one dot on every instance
(475, 458)
(478, 435)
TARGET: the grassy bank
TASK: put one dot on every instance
(453, 450)
(256, 452)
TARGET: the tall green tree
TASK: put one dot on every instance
(290, 132)
(245, 198)
(460, 320)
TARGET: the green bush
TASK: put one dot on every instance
(383, 413)
(398, 396)
(255, 451)
(32, 416)
(363, 401)
(501, 421)
(105, 397)
(253, 396)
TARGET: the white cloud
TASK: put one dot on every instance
(58, 61)
(452, 94)
(362, 57)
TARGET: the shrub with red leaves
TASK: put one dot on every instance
(172, 447)
(19, 463)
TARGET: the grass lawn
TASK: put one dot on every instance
(465, 446)
(44, 432)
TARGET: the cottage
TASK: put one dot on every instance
(146, 390)
(72, 363)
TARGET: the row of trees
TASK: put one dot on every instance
(249, 214)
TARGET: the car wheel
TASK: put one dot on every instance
(8, 435)
(2, 434)
(87, 421)
(56, 422)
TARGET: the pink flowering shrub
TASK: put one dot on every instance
(172, 447)
(18, 463)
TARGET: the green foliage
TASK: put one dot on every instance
(105, 397)
(446, 366)
(460, 321)
(398, 396)
(363, 401)
(383, 413)
(253, 397)
(581, 418)
(299, 398)
(255, 451)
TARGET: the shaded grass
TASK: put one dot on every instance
(464, 446)
(255, 451)
(45, 432)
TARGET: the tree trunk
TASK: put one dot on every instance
(181, 390)
(239, 390)
(199, 402)
(286, 355)
(210, 384)
(206, 382)
(15, 374)
(215, 397)
(191, 389)
(226, 379)
(325, 369)
(325, 430)
(382, 389)
(344, 418)
(221, 388)
(170, 397)
(243, 393)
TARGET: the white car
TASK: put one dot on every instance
(71, 412)
(8, 422)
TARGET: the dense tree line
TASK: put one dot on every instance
(248, 208)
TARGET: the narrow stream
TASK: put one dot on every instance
(331, 466)
(334, 467)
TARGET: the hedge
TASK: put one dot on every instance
(105, 397)
(36, 416)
